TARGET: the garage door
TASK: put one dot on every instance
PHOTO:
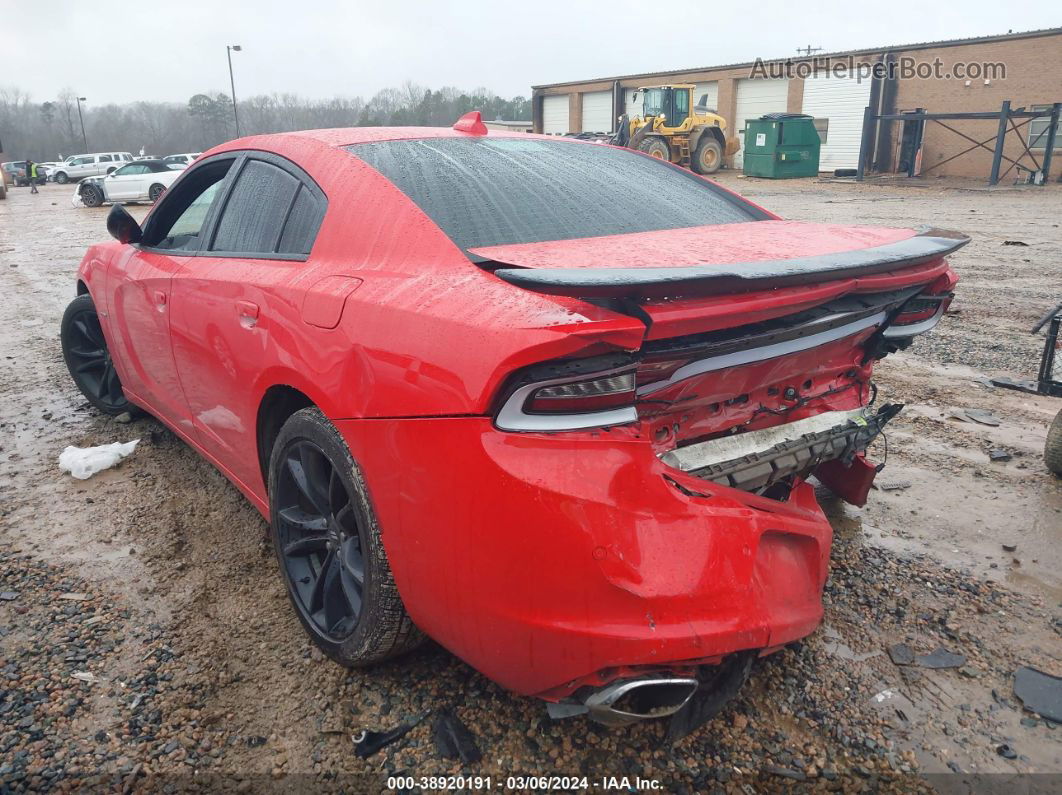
(555, 114)
(754, 98)
(837, 104)
(597, 112)
(710, 90)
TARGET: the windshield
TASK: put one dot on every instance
(653, 102)
(486, 192)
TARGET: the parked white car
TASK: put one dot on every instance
(144, 180)
(183, 160)
(97, 164)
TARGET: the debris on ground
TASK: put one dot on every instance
(1010, 547)
(1018, 384)
(85, 676)
(999, 454)
(982, 417)
(1007, 752)
(1039, 692)
(8, 596)
(901, 654)
(892, 485)
(940, 658)
(84, 462)
(453, 740)
(367, 743)
(1015, 243)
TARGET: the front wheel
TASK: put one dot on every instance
(91, 196)
(327, 541)
(708, 157)
(657, 147)
(89, 360)
(1053, 446)
(62, 178)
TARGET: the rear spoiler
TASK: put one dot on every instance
(927, 245)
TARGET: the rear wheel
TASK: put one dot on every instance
(91, 196)
(89, 360)
(708, 157)
(1053, 446)
(655, 146)
(155, 192)
(62, 178)
(328, 545)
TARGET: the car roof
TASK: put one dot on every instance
(349, 136)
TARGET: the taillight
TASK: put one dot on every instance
(570, 402)
(918, 315)
(595, 394)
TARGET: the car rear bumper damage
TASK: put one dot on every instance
(558, 566)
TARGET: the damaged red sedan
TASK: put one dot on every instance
(550, 403)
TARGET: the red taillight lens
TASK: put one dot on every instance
(921, 307)
(594, 394)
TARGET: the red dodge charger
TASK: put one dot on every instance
(551, 403)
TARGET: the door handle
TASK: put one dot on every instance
(160, 300)
(247, 312)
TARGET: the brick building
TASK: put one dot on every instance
(963, 75)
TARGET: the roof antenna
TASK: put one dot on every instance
(808, 50)
(472, 123)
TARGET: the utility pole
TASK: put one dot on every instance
(84, 139)
(807, 51)
(229, 49)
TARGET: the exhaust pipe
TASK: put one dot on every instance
(630, 700)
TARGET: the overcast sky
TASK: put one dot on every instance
(125, 50)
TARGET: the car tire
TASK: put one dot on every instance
(155, 192)
(91, 196)
(89, 360)
(655, 146)
(708, 157)
(62, 178)
(1053, 446)
(325, 533)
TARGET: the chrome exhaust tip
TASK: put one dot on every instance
(630, 700)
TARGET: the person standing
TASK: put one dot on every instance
(31, 172)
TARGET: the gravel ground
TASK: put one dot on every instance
(200, 678)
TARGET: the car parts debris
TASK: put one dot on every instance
(367, 743)
(453, 739)
(1039, 692)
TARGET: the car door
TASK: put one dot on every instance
(126, 183)
(139, 283)
(231, 308)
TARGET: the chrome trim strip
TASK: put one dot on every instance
(512, 416)
(763, 353)
(913, 329)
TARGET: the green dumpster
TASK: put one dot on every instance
(781, 146)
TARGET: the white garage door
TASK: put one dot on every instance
(756, 97)
(837, 104)
(711, 90)
(597, 112)
(555, 114)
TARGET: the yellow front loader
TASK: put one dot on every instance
(670, 126)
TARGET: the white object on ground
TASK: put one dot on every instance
(84, 462)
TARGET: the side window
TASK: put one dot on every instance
(256, 209)
(300, 229)
(179, 217)
(105, 158)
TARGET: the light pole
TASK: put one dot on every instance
(229, 49)
(84, 140)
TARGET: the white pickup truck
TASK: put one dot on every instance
(78, 167)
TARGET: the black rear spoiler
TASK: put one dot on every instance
(926, 246)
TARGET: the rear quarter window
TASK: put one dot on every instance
(485, 192)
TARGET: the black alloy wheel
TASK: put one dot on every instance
(89, 360)
(155, 192)
(319, 541)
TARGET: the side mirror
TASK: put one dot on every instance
(122, 226)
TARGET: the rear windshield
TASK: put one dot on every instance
(484, 192)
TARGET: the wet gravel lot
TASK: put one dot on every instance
(146, 642)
